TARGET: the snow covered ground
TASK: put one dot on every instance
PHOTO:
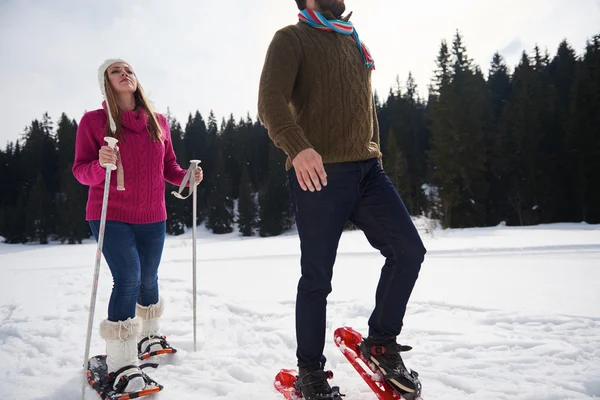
(498, 313)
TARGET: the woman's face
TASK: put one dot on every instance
(121, 78)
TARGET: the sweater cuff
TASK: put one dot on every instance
(99, 171)
(293, 142)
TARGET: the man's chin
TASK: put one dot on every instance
(336, 7)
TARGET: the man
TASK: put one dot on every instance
(315, 99)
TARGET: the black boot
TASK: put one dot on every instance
(385, 354)
(312, 383)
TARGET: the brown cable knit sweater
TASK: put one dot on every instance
(315, 92)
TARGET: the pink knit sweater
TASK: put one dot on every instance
(146, 166)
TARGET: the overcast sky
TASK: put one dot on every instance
(207, 55)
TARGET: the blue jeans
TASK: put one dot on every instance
(362, 193)
(133, 253)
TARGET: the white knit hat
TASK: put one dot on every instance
(101, 70)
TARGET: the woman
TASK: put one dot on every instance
(135, 224)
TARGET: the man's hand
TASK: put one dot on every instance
(309, 170)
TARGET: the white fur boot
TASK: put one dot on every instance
(150, 336)
(121, 352)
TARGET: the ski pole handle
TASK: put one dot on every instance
(193, 168)
(112, 142)
(190, 178)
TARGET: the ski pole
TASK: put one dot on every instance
(109, 168)
(194, 167)
(191, 177)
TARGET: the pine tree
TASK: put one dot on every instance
(262, 144)
(220, 204)
(13, 203)
(71, 200)
(499, 86)
(275, 216)
(522, 127)
(441, 152)
(247, 208)
(195, 142)
(459, 123)
(37, 223)
(550, 138)
(413, 143)
(5, 196)
(396, 167)
(195, 138)
(209, 162)
(411, 89)
(583, 136)
(385, 117)
(4, 184)
(232, 152)
(562, 70)
(178, 211)
(40, 180)
(443, 74)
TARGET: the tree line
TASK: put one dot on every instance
(520, 147)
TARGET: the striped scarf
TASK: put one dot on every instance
(318, 21)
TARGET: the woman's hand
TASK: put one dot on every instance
(198, 175)
(107, 155)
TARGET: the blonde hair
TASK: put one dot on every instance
(142, 101)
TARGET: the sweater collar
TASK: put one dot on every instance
(136, 120)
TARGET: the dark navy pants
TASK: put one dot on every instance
(362, 193)
(133, 253)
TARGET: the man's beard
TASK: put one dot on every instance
(336, 7)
